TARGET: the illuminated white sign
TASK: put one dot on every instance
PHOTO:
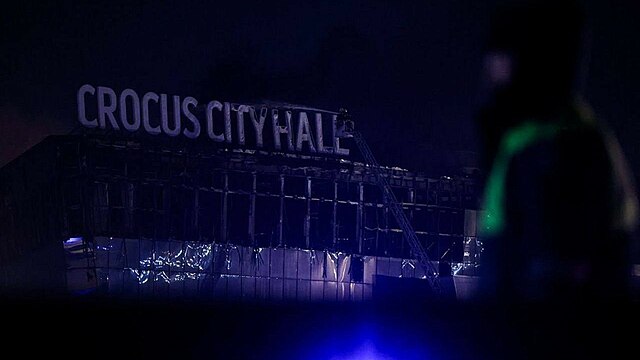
(284, 129)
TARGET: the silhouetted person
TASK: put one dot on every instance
(559, 203)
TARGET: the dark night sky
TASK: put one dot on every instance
(408, 70)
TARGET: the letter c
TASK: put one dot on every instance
(146, 122)
(82, 115)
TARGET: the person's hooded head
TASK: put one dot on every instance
(532, 63)
(533, 52)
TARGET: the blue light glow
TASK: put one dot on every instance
(364, 339)
(366, 351)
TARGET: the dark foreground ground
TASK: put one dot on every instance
(90, 328)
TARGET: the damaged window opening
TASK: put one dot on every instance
(234, 225)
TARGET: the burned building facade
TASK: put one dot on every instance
(142, 216)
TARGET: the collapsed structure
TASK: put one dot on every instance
(137, 215)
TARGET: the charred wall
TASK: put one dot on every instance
(97, 187)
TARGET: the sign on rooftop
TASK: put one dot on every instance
(263, 126)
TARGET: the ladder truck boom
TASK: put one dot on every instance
(346, 129)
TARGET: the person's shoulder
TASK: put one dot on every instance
(580, 130)
(581, 143)
(563, 149)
